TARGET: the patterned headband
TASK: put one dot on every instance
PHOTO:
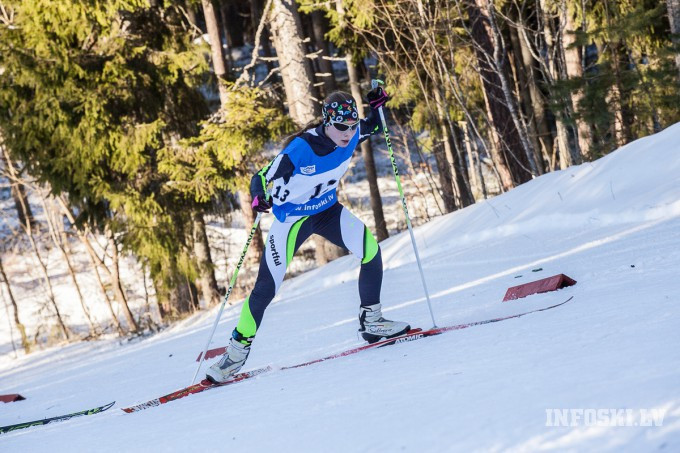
(339, 112)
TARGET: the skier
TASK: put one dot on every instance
(304, 178)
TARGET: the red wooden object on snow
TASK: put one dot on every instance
(539, 286)
(11, 398)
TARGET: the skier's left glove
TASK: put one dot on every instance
(377, 97)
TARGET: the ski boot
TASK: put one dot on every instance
(373, 327)
(232, 360)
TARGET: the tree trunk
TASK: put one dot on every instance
(325, 252)
(223, 19)
(61, 245)
(319, 28)
(206, 281)
(673, 7)
(20, 327)
(445, 177)
(367, 155)
(537, 103)
(219, 65)
(295, 69)
(117, 285)
(511, 162)
(95, 261)
(573, 63)
(191, 13)
(574, 141)
(448, 152)
(21, 203)
(255, 17)
(257, 244)
(617, 97)
(18, 191)
(473, 177)
(524, 90)
(231, 23)
(475, 165)
(461, 182)
(502, 66)
(176, 296)
(568, 155)
(48, 283)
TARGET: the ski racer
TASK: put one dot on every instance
(304, 178)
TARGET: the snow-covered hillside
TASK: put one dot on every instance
(613, 225)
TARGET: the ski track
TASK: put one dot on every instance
(612, 225)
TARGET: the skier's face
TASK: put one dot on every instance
(342, 137)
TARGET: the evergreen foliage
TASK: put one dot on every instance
(217, 158)
(633, 67)
(90, 92)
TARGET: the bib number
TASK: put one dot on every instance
(317, 189)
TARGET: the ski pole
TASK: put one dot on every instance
(226, 296)
(374, 84)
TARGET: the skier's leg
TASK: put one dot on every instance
(344, 229)
(281, 244)
(283, 240)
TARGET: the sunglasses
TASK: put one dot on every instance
(342, 127)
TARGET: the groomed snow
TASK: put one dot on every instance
(613, 225)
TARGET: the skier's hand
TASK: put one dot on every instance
(377, 97)
(261, 204)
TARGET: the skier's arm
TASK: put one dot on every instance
(370, 125)
(280, 167)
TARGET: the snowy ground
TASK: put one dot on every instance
(612, 225)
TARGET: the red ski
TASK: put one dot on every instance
(417, 334)
(412, 335)
(196, 388)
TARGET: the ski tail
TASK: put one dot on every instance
(196, 388)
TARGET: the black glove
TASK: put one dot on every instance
(261, 204)
(377, 98)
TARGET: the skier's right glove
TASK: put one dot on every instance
(261, 204)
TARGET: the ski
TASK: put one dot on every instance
(196, 388)
(96, 410)
(205, 384)
(417, 334)
(412, 335)
(222, 349)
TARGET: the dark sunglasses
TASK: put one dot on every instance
(342, 127)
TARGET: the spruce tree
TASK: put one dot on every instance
(90, 92)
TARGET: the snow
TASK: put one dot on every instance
(612, 225)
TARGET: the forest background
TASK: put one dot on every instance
(129, 127)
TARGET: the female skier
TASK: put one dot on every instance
(304, 178)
